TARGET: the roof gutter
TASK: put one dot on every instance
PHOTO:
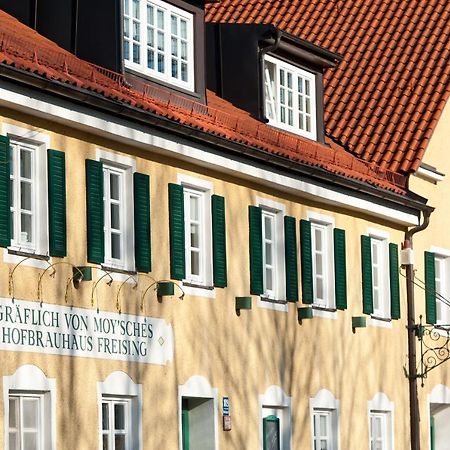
(99, 102)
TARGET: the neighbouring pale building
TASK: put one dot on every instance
(201, 222)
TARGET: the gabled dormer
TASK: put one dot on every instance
(160, 42)
(273, 75)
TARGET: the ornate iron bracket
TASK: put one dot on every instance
(434, 347)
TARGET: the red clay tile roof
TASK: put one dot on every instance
(26, 50)
(386, 96)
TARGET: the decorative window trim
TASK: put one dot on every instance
(191, 287)
(41, 142)
(329, 222)
(279, 209)
(142, 66)
(325, 401)
(275, 103)
(30, 379)
(128, 166)
(198, 386)
(380, 403)
(382, 320)
(119, 385)
(281, 404)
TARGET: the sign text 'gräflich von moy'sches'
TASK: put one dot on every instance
(61, 330)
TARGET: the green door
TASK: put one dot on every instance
(271, 433)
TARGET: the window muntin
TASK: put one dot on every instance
(322, 430)
(158, 40)
(113, 197)
(290, 99)
(378, 431)
(115, 423)
(25, 422)
(23, 194)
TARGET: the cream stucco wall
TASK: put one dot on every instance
(242, 355)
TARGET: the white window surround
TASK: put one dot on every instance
(280, 294)
(41, 142)
(275, 402)
(168, 38)
(324, 401)
(198, 386)
(380, 403)
(29, 379)
(299, 106)
(440, 395)
(203, 288)
(329, 223)
(119, 385)
(128, 166)
(443, 255)
(381, 317)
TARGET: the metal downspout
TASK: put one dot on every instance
(411, 327)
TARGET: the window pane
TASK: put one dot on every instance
(25, 196)
(30, 412)
(323, 425)
(173, 25)
(30, 441)
(160, 40)
(319, 264)
(184, 51)
(184, 72)
(126, 6)
(136, 9)
(114, 186)
(25, 229)
(160, 19)
(161, 63)
(119, 416)
(183, 29)
(25, 164)
(268, 250)
(195, 263)
(115, 246)
(150, 14)
(105, 417)
(126, 50)
(115, 217)
(307, 88)
(136, 54)
(268, 227)
(269, 279)
(174, 68)
(119, 442)
(12, 412)
(319, 288)
(12, 441)
(150, 59)
(194, 207)
(136, 31)
(105, 442)
(195, 235)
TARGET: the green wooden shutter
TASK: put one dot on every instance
(340, 270)
(219, 241)
(95, 211)
(185, 424)
(394, 281)
(5, 194)
(306, 261)
(290, 253)
(366, 266)
(256, 252)
(430, 288)
(142, 241)
(56, 161)
(177, 239)
(271, 433)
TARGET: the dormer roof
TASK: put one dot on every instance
(383, 101)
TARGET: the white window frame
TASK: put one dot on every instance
(325, 224)
(118, 386)
(201, 285)
(198, 386)
(380, 240)
(275, 402)
(30, 381)
(442, 284)
(111, 432)
(276, 210)
(126, 167)
(273, 100)
(142, 65)
(324, 403)
(381, 406)
(39, 143)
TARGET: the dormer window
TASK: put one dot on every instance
(290, 99)
(158, 41)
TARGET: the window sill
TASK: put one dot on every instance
(324, 312)
(273, 304)
(115, 274)
(117, 270)
(198, 290)
(381, 322)
(25, 258)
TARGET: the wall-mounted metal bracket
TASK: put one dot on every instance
(118, 304)
(94, 286)
(11, 275)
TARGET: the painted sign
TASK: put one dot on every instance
(60, 330)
